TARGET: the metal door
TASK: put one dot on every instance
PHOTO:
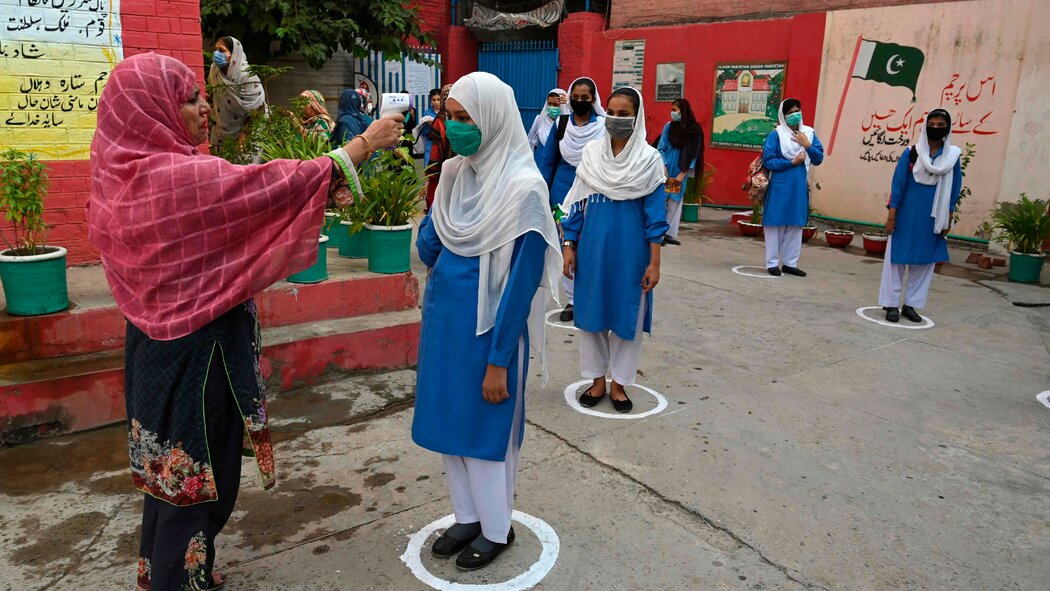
(529, 67)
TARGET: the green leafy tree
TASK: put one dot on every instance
(271, 29)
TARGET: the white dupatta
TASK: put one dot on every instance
(940, 173)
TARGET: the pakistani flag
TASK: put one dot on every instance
(896, 65)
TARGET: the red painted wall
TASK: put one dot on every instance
(170, 27)
(799, 40)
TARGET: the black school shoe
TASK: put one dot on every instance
(624, 405)
(910, 313)
(455, 539)
(774, 271)
(670, 240)
(893, 314)
(566, 314)
(794, 271)
(590, 401)
(482, 552)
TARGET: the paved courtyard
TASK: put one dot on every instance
(801, 447)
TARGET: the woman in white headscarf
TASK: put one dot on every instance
(925, 191)
(541, 126)
(234, 93)
(789, 151)
(492, 249)
(559, 156)
(613, 232)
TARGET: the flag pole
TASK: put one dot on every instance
(842, 101)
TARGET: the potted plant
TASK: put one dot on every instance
(1023, 227)
(353, 232)
(838, 238)
(809, 230)
(277, 135)
(875, 241)
(32, 272)
(332, 229)
(394, 191)
(752, 226)
(740, 216)
(696, 194)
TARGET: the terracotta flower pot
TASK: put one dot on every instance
(750, 229)
(740, 216)
(808, 232)
(838, 238)
(874, 244)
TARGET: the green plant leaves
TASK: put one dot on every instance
(1022, 226)
(23, 185)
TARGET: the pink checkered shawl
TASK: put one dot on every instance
(185, 236)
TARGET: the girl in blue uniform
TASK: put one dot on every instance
(540, 131)
(682, 149)
(492, 248)
(613, 232)
(557, 160)
(788, 153)
(926, 185)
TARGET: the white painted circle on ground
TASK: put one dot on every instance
(904, 323)
(549, 322)
(1044, 397)
(571, 400)
(764, 275)
(527, 580)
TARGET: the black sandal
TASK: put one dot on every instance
(589, 401)
(624, 405)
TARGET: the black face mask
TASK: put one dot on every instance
(937, 133)
(581, 108)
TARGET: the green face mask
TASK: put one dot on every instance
(554, 112)
(464, 138)
(794, 119)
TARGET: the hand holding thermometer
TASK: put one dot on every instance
(394, 103)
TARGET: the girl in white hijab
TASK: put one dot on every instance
(615, 224)
(235, 93)
(541, 126)
(492, 249)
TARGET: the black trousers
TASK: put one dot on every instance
(177, 548)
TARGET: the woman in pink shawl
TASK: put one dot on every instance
(186, 240)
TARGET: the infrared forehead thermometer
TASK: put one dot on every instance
(394, 103)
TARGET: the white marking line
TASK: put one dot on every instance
(1044, 397)
(572, 401)
(547, 320)
(765, 274)
(904, 323)
(527, 580)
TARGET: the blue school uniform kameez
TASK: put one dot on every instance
(451, 417)
(612, 253)
(560, 180)
(914, 242)
(787, 197)
(670, 156)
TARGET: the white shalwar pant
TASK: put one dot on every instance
(483, 490)
(604, 353)
(674, 216)
(783, 244)
(916, 286)
(567, 289)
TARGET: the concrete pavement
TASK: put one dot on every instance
(802, 447)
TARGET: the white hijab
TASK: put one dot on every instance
(635, 172)
(235, 95)
(788, 146)
(484, 202)
(576, 137)
(940, 173)
(541, 126)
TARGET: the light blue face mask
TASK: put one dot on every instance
(219, 58)
(676, 116)
(794, 118)
(554, 112)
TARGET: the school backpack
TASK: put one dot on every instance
(757, 180)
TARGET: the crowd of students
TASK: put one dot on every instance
(582, 201)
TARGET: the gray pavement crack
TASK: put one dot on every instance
(789, 573)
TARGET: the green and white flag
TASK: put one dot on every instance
(889, 63)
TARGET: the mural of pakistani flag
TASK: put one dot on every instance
(889, 63)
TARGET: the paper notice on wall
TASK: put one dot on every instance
(628, 63)
(670, 81)
(55, 58)
(421, 77)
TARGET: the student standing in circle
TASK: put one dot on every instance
(615, 225)
(789, 151)
(492, 249)
(682, 148)
(926, 185)
(561, 154)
